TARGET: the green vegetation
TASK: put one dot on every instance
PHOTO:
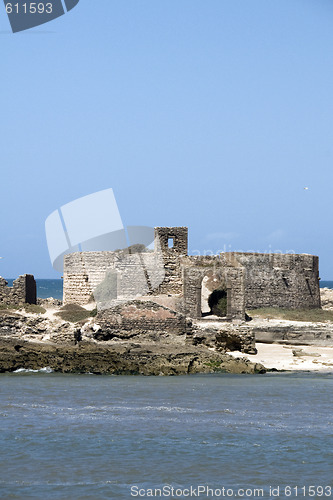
(217, 302)
(9, 307)
(314, 315)
(29, 308)
(216, 366)
(33, 308)
(213, 364)
(74, 313)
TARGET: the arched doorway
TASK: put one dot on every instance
(218, 301)
(213, 296)
(212, 277)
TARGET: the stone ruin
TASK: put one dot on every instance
(23, 291)
(170, 277)
(167, 291)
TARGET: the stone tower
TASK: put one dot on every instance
(173, 243)
(172, 240)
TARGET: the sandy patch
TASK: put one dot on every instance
(294, 358)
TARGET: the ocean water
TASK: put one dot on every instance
(50, 288)
(107, 437)
(326, 284)
(104, 437)
(46, 288)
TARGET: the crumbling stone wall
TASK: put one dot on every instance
(135, 274)
(252, 280)
(24, 290)
(172, 240)
(76, 286)
(139, 274)
(138, 318)
(280, 280)
(173, 243)
(146, 273)
(226, 271)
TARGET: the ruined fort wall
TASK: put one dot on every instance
(83, 271)
(155, 272)
(135, 274)
(194, 269)
(280, 280)
(252, 280)
(23, 290)
(140, 274)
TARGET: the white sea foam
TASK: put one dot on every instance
(46, 369)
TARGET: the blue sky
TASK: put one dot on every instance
(213, 114)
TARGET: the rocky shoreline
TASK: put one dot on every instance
(35, 341)
(130, 359)
(148, 339)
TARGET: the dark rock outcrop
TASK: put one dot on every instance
(222, 336)
(129, 358)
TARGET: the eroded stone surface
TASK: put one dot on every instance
(22, 291)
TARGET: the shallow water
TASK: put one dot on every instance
(93, 437)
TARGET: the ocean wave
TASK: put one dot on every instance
(46, 369)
